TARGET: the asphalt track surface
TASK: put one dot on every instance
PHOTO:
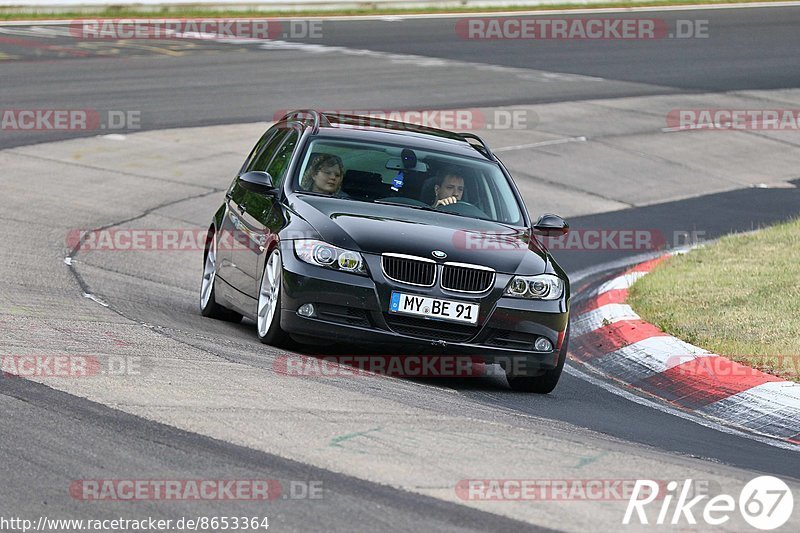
(201, 83)
(220, 83)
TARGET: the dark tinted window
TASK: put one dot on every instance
(257, 150)
(260, 161)
(277, 168)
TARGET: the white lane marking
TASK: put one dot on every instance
(420, 61)
(35, 31)
(571, 370)
(779, 185)
(661, 352)
(69, 262)
(765, 408)
(692, 127)
(602, 316)
(711, 409)
(785, 392)
(587, 10)
(627, 262)
(537, 145)
(94, 298)
(580, 275)
(621, 282)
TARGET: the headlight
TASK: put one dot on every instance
(541, 287)
(320, 253)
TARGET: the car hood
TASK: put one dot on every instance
(380, 228)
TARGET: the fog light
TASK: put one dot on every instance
(543, 345)
(307, 310)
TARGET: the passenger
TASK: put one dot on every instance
(325, 174)
(449, 188)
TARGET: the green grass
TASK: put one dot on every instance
(14, 13)
(739, 297)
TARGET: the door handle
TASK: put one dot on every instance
(242, 208)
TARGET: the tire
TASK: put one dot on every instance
(268, 310)
(545, 383)
(208, 302)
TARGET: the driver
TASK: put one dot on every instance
(449, 188)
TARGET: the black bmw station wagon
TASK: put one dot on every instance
(371, 231)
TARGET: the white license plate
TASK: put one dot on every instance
(414, 304)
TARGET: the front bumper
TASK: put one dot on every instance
(353, 308)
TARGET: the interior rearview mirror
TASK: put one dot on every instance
(399, 164)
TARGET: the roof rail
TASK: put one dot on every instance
(302, 115)
(482, 148)
(379, 122)
(359, 120)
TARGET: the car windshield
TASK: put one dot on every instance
(410, 177)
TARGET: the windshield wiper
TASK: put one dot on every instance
(429, 208)
(412, 206)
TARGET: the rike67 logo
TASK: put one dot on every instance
(765, 503)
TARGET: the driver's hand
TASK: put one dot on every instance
(446, 201)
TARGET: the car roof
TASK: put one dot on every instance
(389, 131)
(417, 140)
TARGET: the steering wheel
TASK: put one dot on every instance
(459, 202)
(463, 208)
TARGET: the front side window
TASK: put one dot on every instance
(408, 176)
(283, 155)
(257, 149)
(267, 150)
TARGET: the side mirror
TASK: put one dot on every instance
(551, 226)
(258, 182)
